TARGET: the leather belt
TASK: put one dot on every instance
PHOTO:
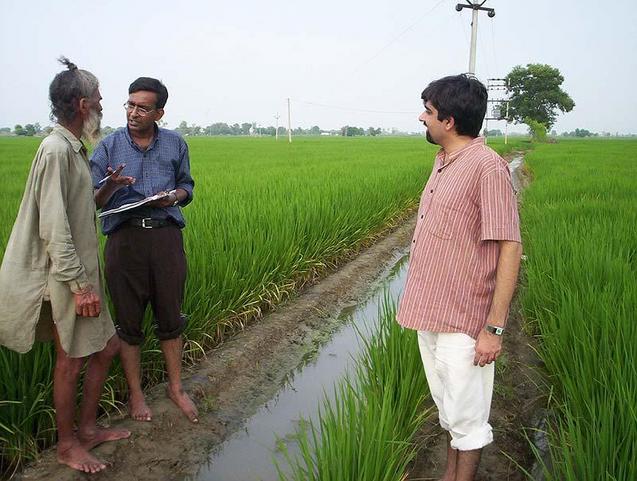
(149, 223)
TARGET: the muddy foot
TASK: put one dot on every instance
(90, 439)
(183, 402)
(77, 457)
(138, 409)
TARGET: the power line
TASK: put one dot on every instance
(495, 56)
(350, 109)
(403, 32)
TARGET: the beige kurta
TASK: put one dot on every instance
(53, 251)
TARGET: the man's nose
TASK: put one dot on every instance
(421, 117)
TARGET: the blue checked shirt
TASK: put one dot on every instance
(164, 166)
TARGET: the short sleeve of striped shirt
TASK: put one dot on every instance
(499, 216)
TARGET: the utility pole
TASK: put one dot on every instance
(289, 123)
(276, 132)
(475, 6)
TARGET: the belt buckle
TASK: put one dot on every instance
(149, 226)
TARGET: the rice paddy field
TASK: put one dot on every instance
(579, 220)
(268, 217)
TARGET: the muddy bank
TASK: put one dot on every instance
(235, 379)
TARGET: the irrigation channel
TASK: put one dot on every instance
(276, 421)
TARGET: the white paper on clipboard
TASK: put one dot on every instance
(134, 205)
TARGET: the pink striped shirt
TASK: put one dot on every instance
(467, 206)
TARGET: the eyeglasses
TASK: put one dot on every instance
(142, 111)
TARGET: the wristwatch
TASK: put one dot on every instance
(496, 330)
(176, 200)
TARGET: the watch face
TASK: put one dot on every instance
(498, 331)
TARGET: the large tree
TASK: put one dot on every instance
(536, 94)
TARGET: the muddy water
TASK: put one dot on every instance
(248, 454)
(514, 165)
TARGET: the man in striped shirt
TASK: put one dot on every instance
(464, 262)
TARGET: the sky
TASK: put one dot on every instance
(341, 62)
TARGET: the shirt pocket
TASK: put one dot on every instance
(440, 221)
(166, 178)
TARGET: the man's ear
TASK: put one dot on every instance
(84, 105)
(160, 114)
(450, 124)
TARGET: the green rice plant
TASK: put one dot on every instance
(580, 237)
(27, 418)
(365, 433)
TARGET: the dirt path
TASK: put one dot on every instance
(235, 379)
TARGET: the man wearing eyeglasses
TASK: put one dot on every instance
(144, 254)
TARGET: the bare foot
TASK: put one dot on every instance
(183, 402)
(138, 409)
(97, 436)
(75, 456)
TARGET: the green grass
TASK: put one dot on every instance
(366, 432)
(266, 218)
(579, 221)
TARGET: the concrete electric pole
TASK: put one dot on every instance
(475, 6)
(289, 123)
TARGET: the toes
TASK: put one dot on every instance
(145, 417)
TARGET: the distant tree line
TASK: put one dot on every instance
(580, 133)
(245, 128)
(28, 130)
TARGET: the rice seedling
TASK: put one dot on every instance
(366, 431)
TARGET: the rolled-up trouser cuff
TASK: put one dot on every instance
(175, 333)
(475, 440)
(128, 339)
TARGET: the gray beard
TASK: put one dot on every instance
(91, 130)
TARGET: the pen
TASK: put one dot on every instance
(118, 170)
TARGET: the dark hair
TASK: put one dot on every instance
(67, 88)
(151, 85)
(462, 97)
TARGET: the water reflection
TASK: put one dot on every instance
(248, 454)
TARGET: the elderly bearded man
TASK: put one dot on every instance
(50, 284)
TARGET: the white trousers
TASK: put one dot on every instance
(462, 392)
